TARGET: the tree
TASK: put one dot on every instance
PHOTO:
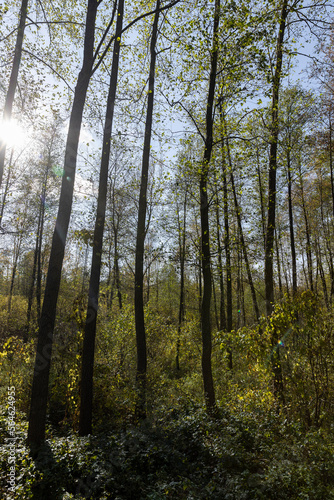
(86, 404)
(296, 112)
(271, 212)
(49, 157)
(38, 406)
(273, 140)
(209, 392)
(141, 233)
(181, 223)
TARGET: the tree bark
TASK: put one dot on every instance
(332, 190)
(140, 409)
(209, 392)
(182, 250)
(222, 314)
(241, 234)
(274, 129)
(270, 233)
(229, 303)
(17, 248)
(291, 228)
(33, 279)
(116, 268)
(87, 368)
(39, 394)
(262, 204)
(307, 233)
(40, 240)
(278, 263)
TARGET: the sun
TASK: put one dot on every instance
(13, 134)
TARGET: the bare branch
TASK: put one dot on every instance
(49, 66)
(171, 4)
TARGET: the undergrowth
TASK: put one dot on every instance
(183, 455)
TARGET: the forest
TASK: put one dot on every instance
(167, 249)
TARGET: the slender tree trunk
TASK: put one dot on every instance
(262, 206)
(33, 275)
(209, 392)
(322, 273)
(182, 250)
(37, 265)
(274, 129)
(116, 268)
(332, 192)
(291, 228)
(222, 314)
(200, 292)
(307, 233)
(148, 281)
(199, 268)
(115, 228)
(40, 240)
(87, 368)
(141, 233)
(242, 293)
(317, 245)
(238, 288)
(304, 271)
(270, 233)
(17, 249)
(215, 301)
(229, 304)
(278, 261)
(284, 266)
(244, 251)
(110, 273)
(157, 285)
(331, 158)
(40, 384)
(8, 107)
(242, 239)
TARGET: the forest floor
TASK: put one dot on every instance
(184, 455)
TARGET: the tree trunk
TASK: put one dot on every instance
(239, 278)
(269, 248)
(33, 274)
(40, 240)
(37, 264)
(209, 392)
(17, 248)
(229, 305)
(332, 192)
(291, 228)
(242, 239)
(307, 233)
(140, 409)
(182, 250)
(39, 395)
(116, 267)
(270, 233)
(262, 205)
(222, 314)
(278, 263)
(8, 107)
(317, 244)
(322, 273)
(87, 368)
